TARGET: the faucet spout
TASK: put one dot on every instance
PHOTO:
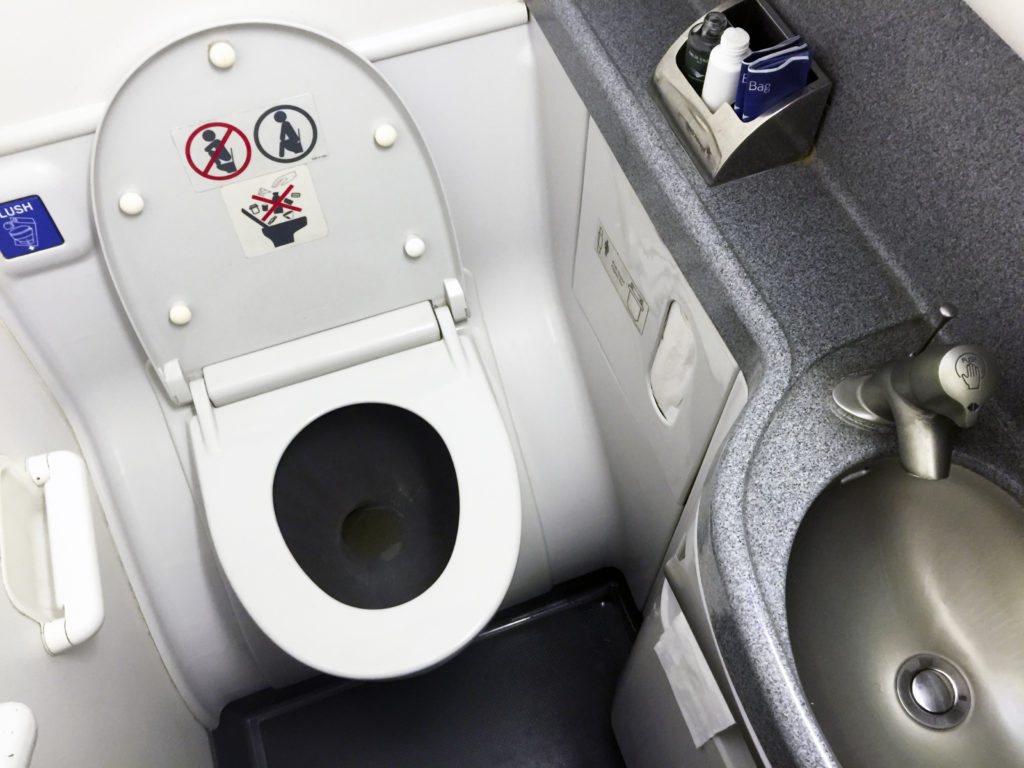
(924, 439)
(923, 397)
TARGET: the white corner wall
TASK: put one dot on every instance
(108, 702)
(72, 56)
(1006, 18)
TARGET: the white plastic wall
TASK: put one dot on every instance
(71, 56)
(652, 460)
(109, 701)
(489, 151)
(1007, 19)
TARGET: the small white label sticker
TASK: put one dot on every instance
(622, 281)
(272, 211)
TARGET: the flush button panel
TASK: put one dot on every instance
(26, 227)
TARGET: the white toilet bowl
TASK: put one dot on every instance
(358, 481)
(350, 633)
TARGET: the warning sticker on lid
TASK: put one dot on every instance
(274, 211)
(243, 144)
(218, 151)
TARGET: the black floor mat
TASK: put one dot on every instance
(533, 691)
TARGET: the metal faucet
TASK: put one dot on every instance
(924, 395)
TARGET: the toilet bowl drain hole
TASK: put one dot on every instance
(367, 501)
(373, 530)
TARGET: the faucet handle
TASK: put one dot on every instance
(946, 312)
(967, 377)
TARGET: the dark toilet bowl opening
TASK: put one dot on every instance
(367, 501)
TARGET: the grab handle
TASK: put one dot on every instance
(73, 559)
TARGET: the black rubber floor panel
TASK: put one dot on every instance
(534, 690)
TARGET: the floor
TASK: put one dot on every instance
(534, 689)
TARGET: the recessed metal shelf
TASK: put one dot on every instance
(722, 146)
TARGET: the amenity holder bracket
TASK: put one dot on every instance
(721, 145)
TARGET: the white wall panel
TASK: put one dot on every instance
(1006, 18)
(110, 701)
(68, 57)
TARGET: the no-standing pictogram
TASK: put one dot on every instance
(218, 151)
(285, 133)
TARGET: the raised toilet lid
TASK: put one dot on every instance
(284, 194)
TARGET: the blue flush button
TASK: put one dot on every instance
(26, 226)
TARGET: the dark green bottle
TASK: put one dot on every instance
(704, 35)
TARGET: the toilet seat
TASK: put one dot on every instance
(443, 383)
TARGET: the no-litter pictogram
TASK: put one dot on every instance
(218, 151)
(276, 210)
(278, 221)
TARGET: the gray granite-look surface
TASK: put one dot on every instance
(823, 268)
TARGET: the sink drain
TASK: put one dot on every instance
(933, 691)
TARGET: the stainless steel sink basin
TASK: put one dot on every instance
(905, 602)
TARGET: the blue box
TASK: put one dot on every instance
(26, 227)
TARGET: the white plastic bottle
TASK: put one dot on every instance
(723, 73)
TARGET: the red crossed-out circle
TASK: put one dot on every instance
(205, 172)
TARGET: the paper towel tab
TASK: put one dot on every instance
(696, 692)
(674, 362)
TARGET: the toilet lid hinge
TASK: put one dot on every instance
(175, 383)
(204, 414)
(455, 299)
(332, 350)
(450, 337)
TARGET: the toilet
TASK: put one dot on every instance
(278, 236)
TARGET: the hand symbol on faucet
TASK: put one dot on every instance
(970, 368)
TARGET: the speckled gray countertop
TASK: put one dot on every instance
(822, 268)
